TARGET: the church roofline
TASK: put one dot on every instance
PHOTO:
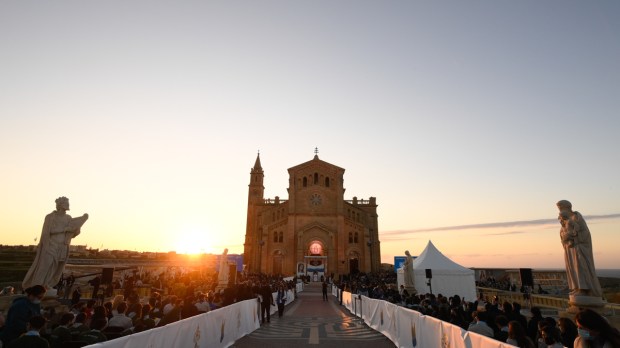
(314, 161)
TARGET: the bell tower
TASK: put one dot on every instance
(257, 190)
(253, 236)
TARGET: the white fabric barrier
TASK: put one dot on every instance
(408, 328)
(217, 328)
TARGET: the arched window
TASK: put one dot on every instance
(350, 237)
(327, 182)
(305, 182)
(316, 178)
(275, 237)
(355, 239)
(281, 237)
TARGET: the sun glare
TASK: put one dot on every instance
(192, 242)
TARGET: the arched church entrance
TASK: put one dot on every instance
(316, 261)
(354, 263)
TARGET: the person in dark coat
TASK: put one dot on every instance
(266, 302)
(532, 325)
(32, 338)
(62, 333)
(94, 335)
(20, 312)
(324, 286)
(96, 283)
(281, 300)
(76, 296)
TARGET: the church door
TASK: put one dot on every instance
(354, 266)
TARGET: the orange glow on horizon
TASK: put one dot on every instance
(192, 242)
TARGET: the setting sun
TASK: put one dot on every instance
(192, 242)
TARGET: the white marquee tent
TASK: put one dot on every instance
(448, 277)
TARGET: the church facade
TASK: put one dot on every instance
(315, 231)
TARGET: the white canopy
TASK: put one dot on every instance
(448, 277)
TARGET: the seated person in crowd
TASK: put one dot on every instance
(94, 335)
(32, 338)
(62, 333)
(120, 319)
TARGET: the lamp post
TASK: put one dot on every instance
(260, 255)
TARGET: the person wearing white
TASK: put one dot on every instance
(120, 319)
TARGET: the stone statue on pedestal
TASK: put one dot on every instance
(53, 249)
(408, 274)
(584, 286)
(222, 276)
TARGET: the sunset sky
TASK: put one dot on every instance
(468, 120)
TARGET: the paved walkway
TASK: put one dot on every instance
(310, 321)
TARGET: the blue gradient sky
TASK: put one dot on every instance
(148, 116)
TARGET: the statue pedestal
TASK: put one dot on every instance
(579, 302)
(50, 300)
(221, 285)
(411, 290)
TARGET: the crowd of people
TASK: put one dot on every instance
(89, 321)
(502, 321)
(506, 285)
(180, 295)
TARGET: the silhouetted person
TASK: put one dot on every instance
(324, 291)
(266, 303)
(95, 282)
(20, 312)
(281, 300)
(32, 338)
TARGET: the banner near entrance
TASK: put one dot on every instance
(316, 267)
(301, 268)
(399, 261)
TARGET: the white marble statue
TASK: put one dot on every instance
(53, 249)
(578, 256)
(222, 277)
(408, 270)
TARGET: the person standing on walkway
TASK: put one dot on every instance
(324, 290)
(266, 302)
(281, 300)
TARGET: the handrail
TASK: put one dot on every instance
(537, 300)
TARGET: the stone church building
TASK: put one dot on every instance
(315, 231)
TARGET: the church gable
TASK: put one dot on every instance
(316, 173)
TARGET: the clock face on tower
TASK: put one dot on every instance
(315, 199)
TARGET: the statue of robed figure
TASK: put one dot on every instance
(53, 249)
